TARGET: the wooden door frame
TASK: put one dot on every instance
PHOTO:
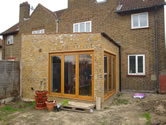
(113, 70)
(76, 95)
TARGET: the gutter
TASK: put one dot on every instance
(136, 9)
(156, 49)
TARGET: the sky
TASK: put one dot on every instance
(9, 10)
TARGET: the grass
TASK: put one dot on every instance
(118, 101)
(106, 108)
(6, 111)
(148, 118)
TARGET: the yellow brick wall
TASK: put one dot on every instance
(35, 57)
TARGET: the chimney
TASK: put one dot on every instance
(24, 11)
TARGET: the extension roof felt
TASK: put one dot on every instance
(130, 5)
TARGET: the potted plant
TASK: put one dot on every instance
(50, 105)
(41, 96)
(42, 92)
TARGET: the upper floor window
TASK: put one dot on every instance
(101, 1)
(10, 39)
(139, 20)
(41, 31)
(136, 64)
(82, 27)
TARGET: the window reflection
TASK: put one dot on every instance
(69, 74)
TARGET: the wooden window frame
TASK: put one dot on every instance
(136, 65)
(76, 95)
(113, 59)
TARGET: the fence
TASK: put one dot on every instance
(9, 78)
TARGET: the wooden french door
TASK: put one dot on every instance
(71, 75)
(109, 74)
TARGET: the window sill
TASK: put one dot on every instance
(137, 28)
(136, 75)
(9, 44)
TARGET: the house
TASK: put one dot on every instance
(0, 49)
(134, 29)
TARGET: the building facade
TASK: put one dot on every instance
(138, 27)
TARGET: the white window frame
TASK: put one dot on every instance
(10, 42)
(139, 26)
(84, 27)
(136, 55)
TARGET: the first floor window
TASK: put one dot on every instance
(139, 20)
(136, 64)
(82, 27)
(10, 39)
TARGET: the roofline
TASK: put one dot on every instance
(110, 39)
(10, 33)
(118, 11)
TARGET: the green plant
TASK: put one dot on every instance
(8, 109)
(33, 104)
(65, 102)
(106, 107)
(148, 118)
(119, 95)
(118, 101)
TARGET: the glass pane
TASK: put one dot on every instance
(110, 72)
(56, 74)
(113, 73)
(69, 74)
(88, 27)
(140, 64)
(105, 74)
(135, 21)
(85, 75)
(76, 28)
(143, 20)
(82, 27)
(132, 67)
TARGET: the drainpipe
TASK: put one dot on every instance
(3, 48)
(156, 49)
(120, 84)
(57, 25)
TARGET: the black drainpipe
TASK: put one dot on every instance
(120, 84)
(156, 49)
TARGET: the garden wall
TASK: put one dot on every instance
(9, 78)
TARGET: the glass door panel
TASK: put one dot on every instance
(105, 74)
(69, 74)
(56, 74)
(85, 75)
(110, 73)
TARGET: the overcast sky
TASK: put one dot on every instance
(9, 10)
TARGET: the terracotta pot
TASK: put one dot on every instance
(50, 105)
(40, 94)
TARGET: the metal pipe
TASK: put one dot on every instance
(156, 49)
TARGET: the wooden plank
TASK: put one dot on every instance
(79, 107)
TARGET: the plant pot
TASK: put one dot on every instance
(50, 105)
(40, 94)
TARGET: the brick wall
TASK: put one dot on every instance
(118, 27)
(33, 71)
